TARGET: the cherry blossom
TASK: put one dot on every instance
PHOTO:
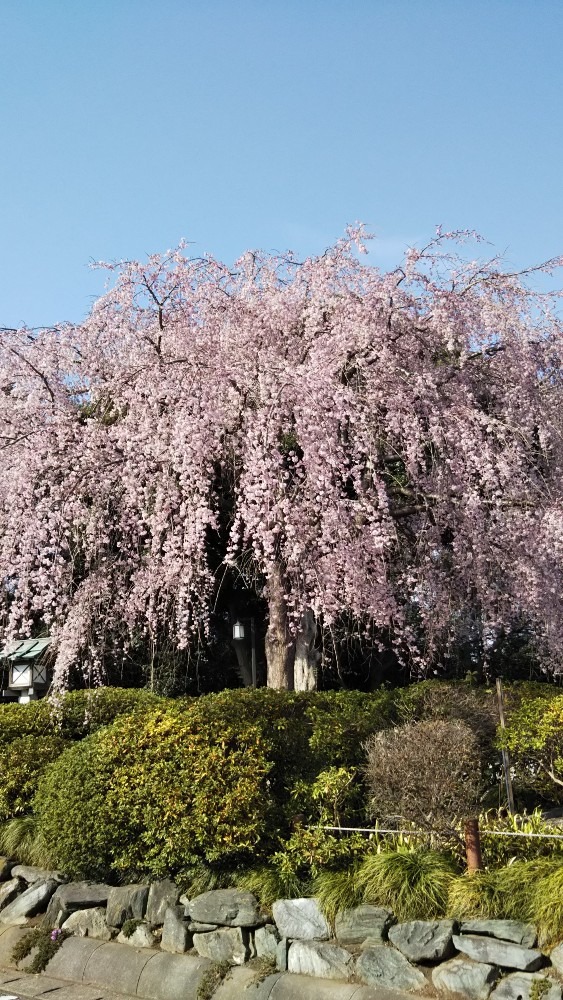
(387, 446)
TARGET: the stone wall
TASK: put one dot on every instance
(476, 959)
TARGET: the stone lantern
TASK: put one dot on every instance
(28, 676)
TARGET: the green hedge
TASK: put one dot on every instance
(216, 779)
(78, 714)
(23, 762)
(534, 737)
(147, 785)
(153, 794)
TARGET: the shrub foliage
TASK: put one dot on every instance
(425, 772)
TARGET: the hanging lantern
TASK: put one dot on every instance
(238, 630)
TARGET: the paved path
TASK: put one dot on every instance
(23, 986)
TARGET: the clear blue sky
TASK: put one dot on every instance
(128, 124)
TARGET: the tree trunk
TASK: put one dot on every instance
(280, 646)
(306, 656)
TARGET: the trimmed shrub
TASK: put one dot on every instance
(310, 733)
(23, 762)
(534, 737)
(154, 793)
(428, 773)
(76, 715)
(83, 712)
(445, 700)
(34, 719)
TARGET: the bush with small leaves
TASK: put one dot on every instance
(156, 792)
(429, 773)
(23, 762)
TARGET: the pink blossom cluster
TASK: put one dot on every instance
(387, 446)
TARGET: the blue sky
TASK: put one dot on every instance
(129, 124)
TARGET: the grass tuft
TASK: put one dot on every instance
(19, 839)
(413, 883)
(269, 883)
(337, 890)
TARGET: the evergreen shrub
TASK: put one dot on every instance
(76, 715)
(23, 762)
(153, 794)
(534, 737)
(215, 780)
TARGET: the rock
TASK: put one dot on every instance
(266, 941)
(355, 925)
(281, 955)
(300, 918)
(472, 980)
(316, 958)
(227, 944)
(519, 985)
(89, 923)
(75, 896)
(506, 930)
(31, 875)
(556, 957)
(495, 952)
(387, 968)
(230, 907)
(197, 928)
(175, 934)
(33, 900)
(142, 937)
(424, 940)
(371, 943)
(127, 902)
(161, 895)
(9, 891)
(5, 869)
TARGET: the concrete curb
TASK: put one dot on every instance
(158, 975)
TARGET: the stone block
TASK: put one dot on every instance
(506, 930)
(198, 928)
(9, 891)
(556, 956)
(360, 922)
(301, 919)
(227, 944)
(75, 896)
(266, 940)
(142, 937)
(126, 902)
(518, 986)
(424, 940)
(495, 952)
(176, 937)
(89, 923)
(161, 895)
(281, 954)
(31, 874)
(387, 968)
(227, 907)
(317, 958)
(70, 961)
(117, 966)
(31, 901)
(170, 977)
(471, 980)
